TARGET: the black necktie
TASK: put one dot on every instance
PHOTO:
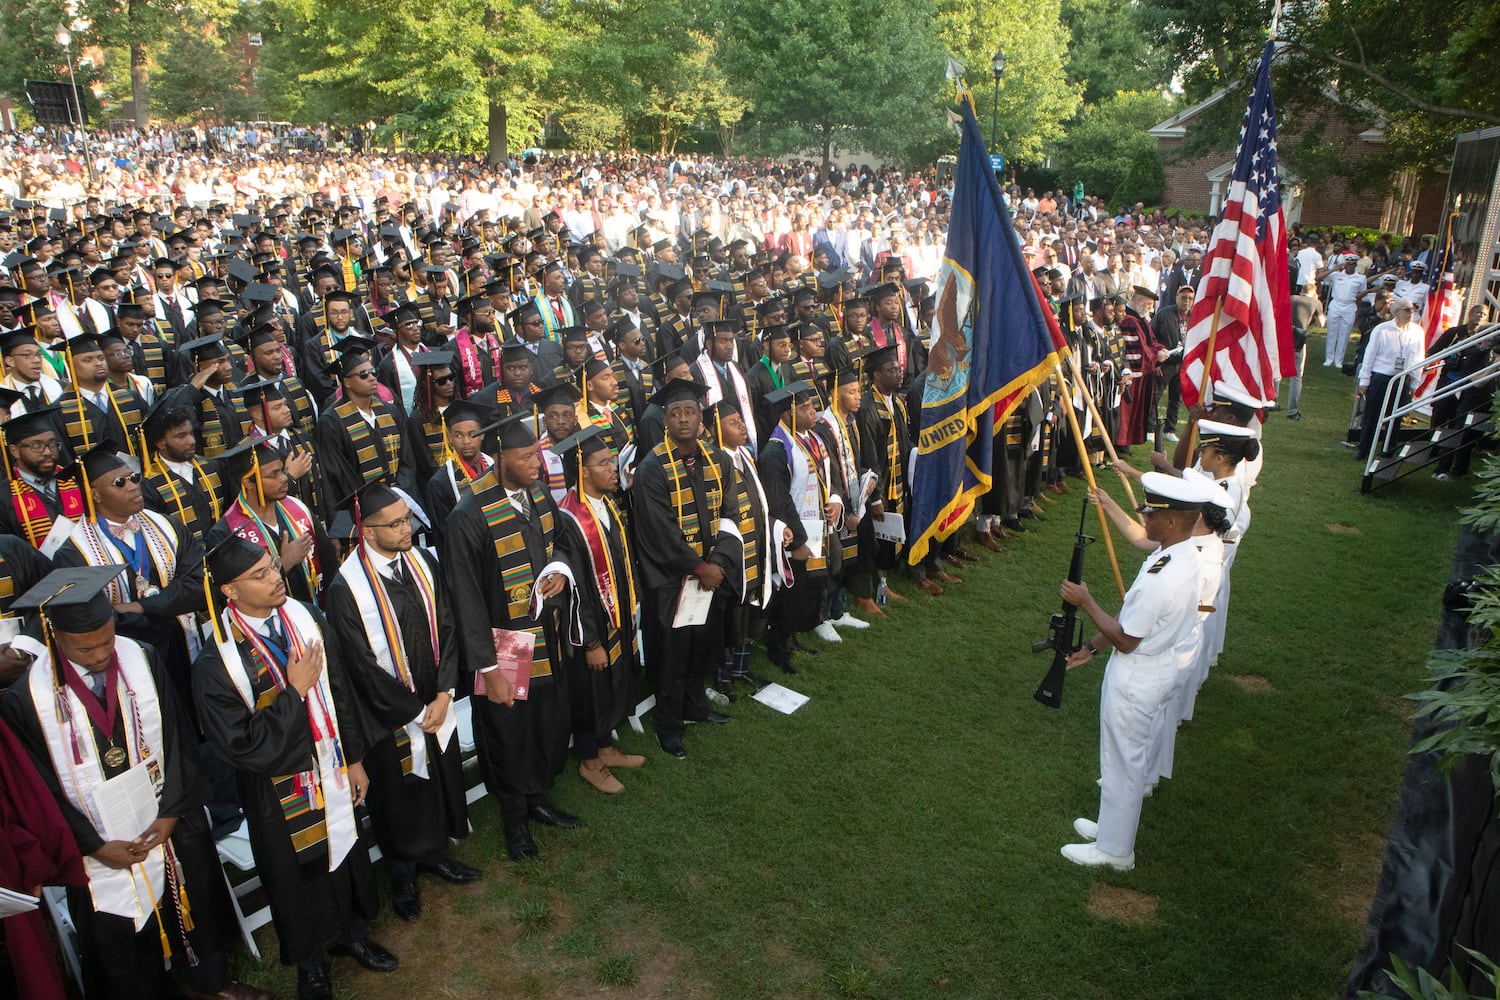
(96, 682)
(398, 571)
(274, 634)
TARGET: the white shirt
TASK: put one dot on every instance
(1345, 289)
(1308, 262)
(1392, 348)
(183, 469)
(1161, 606)
(601, 512)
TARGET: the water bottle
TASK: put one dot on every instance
(880, 593)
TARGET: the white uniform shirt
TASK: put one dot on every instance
(1161, 607)
(1345, 289)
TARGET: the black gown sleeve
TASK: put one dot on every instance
(467, 577)
(333, 447)
(656, 524)
(271, 741)
(386, 703)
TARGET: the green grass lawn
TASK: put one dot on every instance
(898, 837)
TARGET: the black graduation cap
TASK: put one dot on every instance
(521, 312)
(9, 398)
(15, 340)
(73, 599)
(667, 272)
(780, 399)
(573, 334)
(81, 344)
(101, 460)
(32, 423)
(259, 292)
(877, 356)
(832, 280)
(515, 350)
(579, 446)
(241, 270)
(775, 331)
(462, 410)
(432, 359)
(352, 351)
(707, 297)
(513, 432)
(553, 393)
(232, 558)
(259, 390)
(769, 305)
(809, 329)
(680, 390)
(592, 306)
(678, 287)
(594, 367)
(206, 347)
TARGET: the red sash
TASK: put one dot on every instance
(588, 526)
(32, 512)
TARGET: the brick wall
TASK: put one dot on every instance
(1328, 204)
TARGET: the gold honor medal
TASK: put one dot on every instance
(520, 594)
(114, 757)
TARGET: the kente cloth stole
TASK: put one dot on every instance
(602, 567)
(517, 575)
(690, 520)
(31, 511)
(369, 442)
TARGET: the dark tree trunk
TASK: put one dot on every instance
(140, 86)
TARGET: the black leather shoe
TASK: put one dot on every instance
(519, 845)
(314, 985)
(452, 871)
(1032, 515)
(712, 718)
(672, 745)
(549, 815)
(1013, 524)
(754, 680)
(404, 900)
(368, 954)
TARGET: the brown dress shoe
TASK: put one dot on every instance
(998, 532)
(596, 774)
(943, 576)
(1059, 488)
(929, 588)
(612, 757)
(988, 541)
(869, 607)
(891, 595)
(965, 555)
(953, 559)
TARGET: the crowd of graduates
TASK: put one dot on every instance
(287, 482)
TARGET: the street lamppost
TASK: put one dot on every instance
(997, 63)
(64, 40)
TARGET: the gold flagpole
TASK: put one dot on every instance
(1109, 446)
(1088, 474)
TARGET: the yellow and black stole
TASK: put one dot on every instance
(895, 488)
(517, 574)
(377, 450)
(174, 493)
(699, 528)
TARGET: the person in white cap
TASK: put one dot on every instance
(1345, 286)
(1158, 615)
(1394, 345)
(1416, 288)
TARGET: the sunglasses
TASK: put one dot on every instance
(119, 481)
(442, 379)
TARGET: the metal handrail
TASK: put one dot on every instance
(1389, 419)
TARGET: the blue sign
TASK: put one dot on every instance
(997, 162)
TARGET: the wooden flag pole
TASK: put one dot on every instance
(1109, 446)
(1088, 474)
(1208, 375)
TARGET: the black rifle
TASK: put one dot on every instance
(1063, 634)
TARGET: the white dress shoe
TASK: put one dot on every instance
(1091, 857)
(1086, 828)
(826, 633)
(849, 621)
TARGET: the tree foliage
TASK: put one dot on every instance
(848, 74)
(1108, 50)
(1107, 148)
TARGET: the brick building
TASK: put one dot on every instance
(1413, 206)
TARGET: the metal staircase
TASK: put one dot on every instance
(1402, 444)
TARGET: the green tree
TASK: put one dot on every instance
(1108, 149)
(848, 74)
(1108, 50)
(1036, 96)
(28, 46)
(446, 74)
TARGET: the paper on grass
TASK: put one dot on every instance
(782, 699)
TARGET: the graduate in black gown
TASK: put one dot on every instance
(362, 438)
(595, 544)
(389, 613)
(92, 706)
(21, 568)
(683, 501)
(463, 425)
(498, 550)
(276, 701)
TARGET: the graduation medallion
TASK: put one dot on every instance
(114, 757)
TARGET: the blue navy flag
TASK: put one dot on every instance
(991, 346)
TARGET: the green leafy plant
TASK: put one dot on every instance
(1419, 984)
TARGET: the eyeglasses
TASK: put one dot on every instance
(119, 481)
(400, 522)
(40, 447)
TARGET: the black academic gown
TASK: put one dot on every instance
(340, 464)
(21, 568)
(413, 817)
(442, 496)
(311, 907)
(204, 405)
(522, 748)
(601, 699)
(196, 503)
(119, 962)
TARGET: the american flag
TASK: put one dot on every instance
(1246, 267)
(1443, 309)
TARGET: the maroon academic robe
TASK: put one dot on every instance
(1140, 349)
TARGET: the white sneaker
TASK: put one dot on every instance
(1091, 857)
(826, 633)
(849, 621)
(1086, 828)
(717, 697)
(1171, 437)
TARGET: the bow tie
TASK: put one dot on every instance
(124, 532)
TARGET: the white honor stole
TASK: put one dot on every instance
(99, 548)
(352, 573)
(131, 893)
(709, 375)
(338, 814)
